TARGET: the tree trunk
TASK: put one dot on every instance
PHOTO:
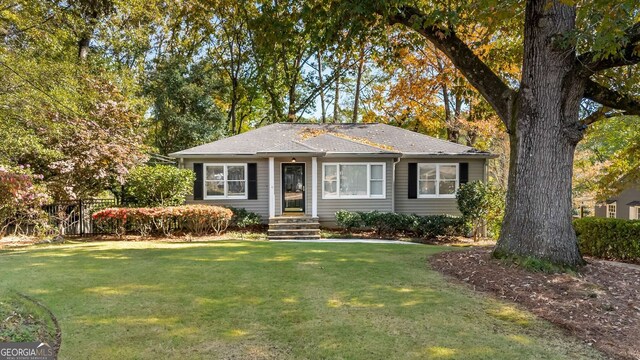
(291, 113)
(234, 105)
(321, 83)
(356, 102)
(543, 137)
(83, 48)
(452, 132)
(336, 100)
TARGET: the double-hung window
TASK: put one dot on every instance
(225, 181)
(611, 210)
(438, 180)
(353, 180)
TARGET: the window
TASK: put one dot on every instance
(611, 210)
(634, 212)
(438, 180)
(353, 180)
(223, 181)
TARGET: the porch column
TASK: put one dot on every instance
(272, 189)
(314, 187)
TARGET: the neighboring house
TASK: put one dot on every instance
(318, 169)
(625, 205)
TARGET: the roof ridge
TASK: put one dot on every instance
(323, 124)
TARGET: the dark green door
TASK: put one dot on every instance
(293, 187)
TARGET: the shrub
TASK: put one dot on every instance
(396, 223)
(609, 238)
(481, 204)
(388, 222)
(440, 225)
(159, 185)
(243, 219)
(21, 201)
(198, 219)
(348, 219)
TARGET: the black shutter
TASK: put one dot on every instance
(464, 173)
(198, 184)
(252, 177)
(413, 180)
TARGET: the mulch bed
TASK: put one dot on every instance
(600, 305)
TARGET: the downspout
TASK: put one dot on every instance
(486, 168)
(393, 184)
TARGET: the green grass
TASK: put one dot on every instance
(254, 300)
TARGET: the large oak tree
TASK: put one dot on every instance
(563, 56)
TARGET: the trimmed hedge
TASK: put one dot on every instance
(394, 223)
(604, 238)
(197, 219)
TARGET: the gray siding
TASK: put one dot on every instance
(430, 206)
(260, 205)
(328, 207)
(622, 209)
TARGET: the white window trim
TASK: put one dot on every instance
(634, 210)
(615, 210)
(368, 196)
(437, 194)
(225, 196)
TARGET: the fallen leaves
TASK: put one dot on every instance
(600, 305)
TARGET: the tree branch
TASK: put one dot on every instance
(611, 98)
(629, 54)
(492, 88)
(595, 116)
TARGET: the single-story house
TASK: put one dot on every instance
(625, 205)
(317, 169)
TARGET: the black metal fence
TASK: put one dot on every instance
(73, 218)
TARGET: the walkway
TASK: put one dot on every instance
(364, 241)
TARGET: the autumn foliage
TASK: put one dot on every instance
(21, 201)
(195, 219)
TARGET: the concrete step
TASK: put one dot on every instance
(294, 232)
(292, 219)
(294, 237)
(285, 226)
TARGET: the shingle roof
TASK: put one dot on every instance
(371, 138)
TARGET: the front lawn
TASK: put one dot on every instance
(260, 300)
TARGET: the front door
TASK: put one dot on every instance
(293, 188)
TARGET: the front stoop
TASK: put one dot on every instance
(294, 228)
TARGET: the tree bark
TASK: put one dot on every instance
(83, 48)
(336, 100)
(543, 138)
(356, 102)
(452, 134)
(234, 104)
(321, 83)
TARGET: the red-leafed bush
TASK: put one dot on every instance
(197, 219)
(21, 201)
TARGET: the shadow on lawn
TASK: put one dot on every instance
(260, 300)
